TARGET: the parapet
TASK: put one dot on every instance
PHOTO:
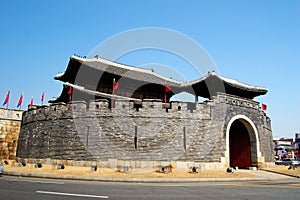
(6, 114)
(77, 106)
(147, 107)
(99, 105)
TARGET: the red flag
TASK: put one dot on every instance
(167, 89)
(43, 97)
(70, 90)
(70, 93)
(264, 107)
(116, 85)
(6, 100)
(31, 102)
(20, 101)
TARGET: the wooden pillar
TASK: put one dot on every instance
(196, 98)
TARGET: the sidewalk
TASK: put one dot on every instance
(284, 170)
(138, 180)
(139, 175)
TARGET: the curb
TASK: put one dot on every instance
(134, 180)
(294, 176)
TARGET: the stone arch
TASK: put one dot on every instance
(248, 131)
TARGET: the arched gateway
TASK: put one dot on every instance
(242, 142)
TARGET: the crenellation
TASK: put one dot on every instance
(76, 106)
(178, 105)
(134, 131)
(10, 114)
(100, 105)
(152, 103)
(42, 112)
(174, 106)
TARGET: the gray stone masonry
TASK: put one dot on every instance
(81, 131)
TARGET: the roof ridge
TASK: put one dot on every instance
(124, 66)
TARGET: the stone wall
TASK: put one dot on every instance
(10, 123)
(138, 131)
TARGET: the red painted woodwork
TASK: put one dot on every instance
(239, 142)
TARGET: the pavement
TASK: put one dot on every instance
(15, 188)
(260, 175)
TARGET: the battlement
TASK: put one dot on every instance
(6, 114)
(147, 107)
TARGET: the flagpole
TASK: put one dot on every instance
(112, 96)
(167, 89)
(165, 100)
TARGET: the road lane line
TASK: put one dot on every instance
(31, 181)
(71, 194)
(263, 186)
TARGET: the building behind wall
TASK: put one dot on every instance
(297, 146)
(284, 148)
(10, 123)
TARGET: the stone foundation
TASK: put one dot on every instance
(114, 163)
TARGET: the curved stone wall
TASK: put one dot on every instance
(146, 131)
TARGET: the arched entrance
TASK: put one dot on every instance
(239, 145)
(242, 142)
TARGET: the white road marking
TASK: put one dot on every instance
(70, 194)
(45, 182)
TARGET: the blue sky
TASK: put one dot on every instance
(255, 42)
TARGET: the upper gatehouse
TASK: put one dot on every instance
(93, 78)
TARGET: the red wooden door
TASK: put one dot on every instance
(239, 142)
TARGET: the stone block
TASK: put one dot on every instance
(144, 164)
(135, 164)
(150, 164)
(112, 163)
(184, 165)
(120, 163)
(252, 168)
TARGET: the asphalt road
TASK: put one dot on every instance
(46, 189)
